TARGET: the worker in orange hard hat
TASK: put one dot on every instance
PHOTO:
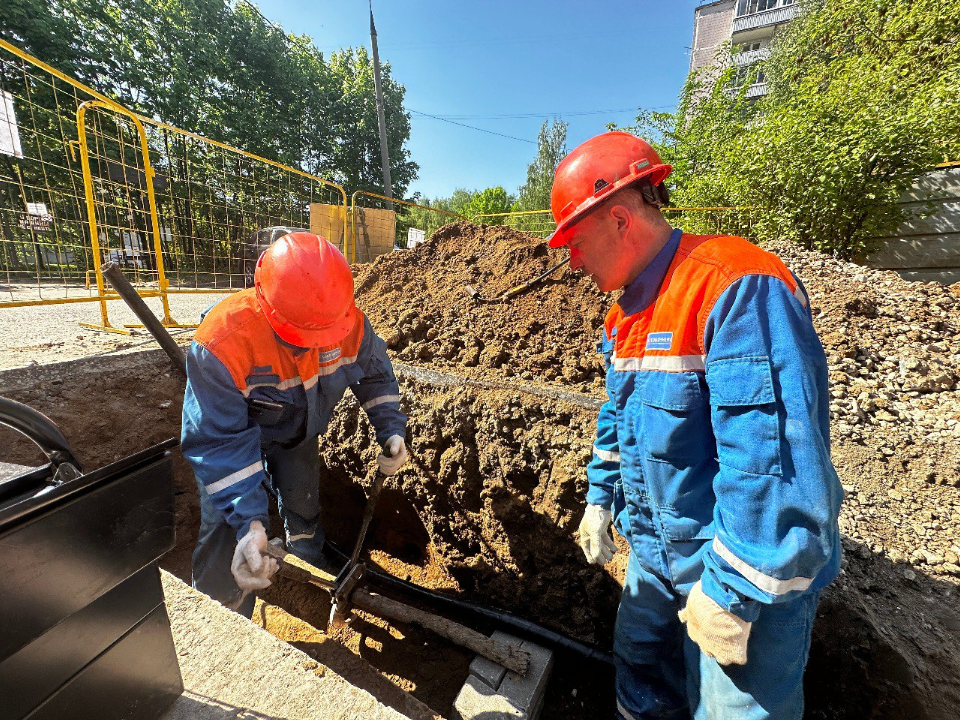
(712, 452)
(264, 372)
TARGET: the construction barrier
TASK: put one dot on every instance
(538, 222)
(84, 181)
(45, 251)
(378, 224)
(699, 220)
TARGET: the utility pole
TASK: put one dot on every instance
(381, 120)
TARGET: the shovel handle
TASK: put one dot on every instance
(368, 515)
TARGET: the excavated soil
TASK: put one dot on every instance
(488, 506)
(418, 302)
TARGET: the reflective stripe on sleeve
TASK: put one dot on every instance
(234, 478)
(798, 294)
(284, 385)
(301, 536)
(623, 711)
(380, 400)
(606, 455)
(668, 363)
(761, 580)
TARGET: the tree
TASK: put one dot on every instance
(865, 97)
(551, 149)
(355, 157)
(223, 71)
(492, 201)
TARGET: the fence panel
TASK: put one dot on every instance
(178, 212)
(120, 185)
(379, 223)
(45, 251)
(213, 199)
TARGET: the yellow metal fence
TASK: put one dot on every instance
(84, 181)
(699, 220)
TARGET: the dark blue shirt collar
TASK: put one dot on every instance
(643, 289)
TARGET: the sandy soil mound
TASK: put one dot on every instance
(418, 302)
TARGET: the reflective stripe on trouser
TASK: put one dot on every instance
(661, 673)
(295, 474)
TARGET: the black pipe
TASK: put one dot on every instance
(40, 429)
(111, 271)
(518, 625)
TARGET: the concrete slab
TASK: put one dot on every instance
(493, 693)
(528, 691)
(490, 672)
(233, 669)
(478, 701)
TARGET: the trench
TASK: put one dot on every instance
(485, 512)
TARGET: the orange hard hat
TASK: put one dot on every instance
(595, 169)
(305, 289)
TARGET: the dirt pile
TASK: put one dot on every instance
(893, 349)
(418, 302)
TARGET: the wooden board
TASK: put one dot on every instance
(327, 221)
(376, 232)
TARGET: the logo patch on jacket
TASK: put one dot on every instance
(329, 356)
(659, 341)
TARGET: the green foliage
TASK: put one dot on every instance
(864, 98)
(223, 71)
(551, 149)
(491, 201)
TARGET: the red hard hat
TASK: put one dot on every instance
(595, 169)
(305, 289)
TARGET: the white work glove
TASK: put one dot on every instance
(719, 633)
(250, 568)
(595, 540)
(394, 455)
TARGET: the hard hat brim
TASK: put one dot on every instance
(316, 337)
(561, 236)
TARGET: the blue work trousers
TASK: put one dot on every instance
(295, 476)
(661, 672)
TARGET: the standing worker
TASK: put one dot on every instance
(264, 372)
(712, 453)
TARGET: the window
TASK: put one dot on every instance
(749, 7)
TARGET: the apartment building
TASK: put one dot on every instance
(748, 25)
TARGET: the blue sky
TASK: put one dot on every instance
(479, 63)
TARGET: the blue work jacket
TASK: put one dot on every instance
(247, 391)
(713, 449)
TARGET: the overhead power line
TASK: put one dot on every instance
(454, 122)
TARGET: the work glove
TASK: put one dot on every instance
(595, 540)
(250, 568)
(719, 633)
(393, 457)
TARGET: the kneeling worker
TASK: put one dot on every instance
(712, 453)
(264, 372)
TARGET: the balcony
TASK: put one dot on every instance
(750, 57)
(756, 90)
(766, 18)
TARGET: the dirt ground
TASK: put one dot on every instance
(489, 504)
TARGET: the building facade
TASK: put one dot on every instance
(748, 25)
